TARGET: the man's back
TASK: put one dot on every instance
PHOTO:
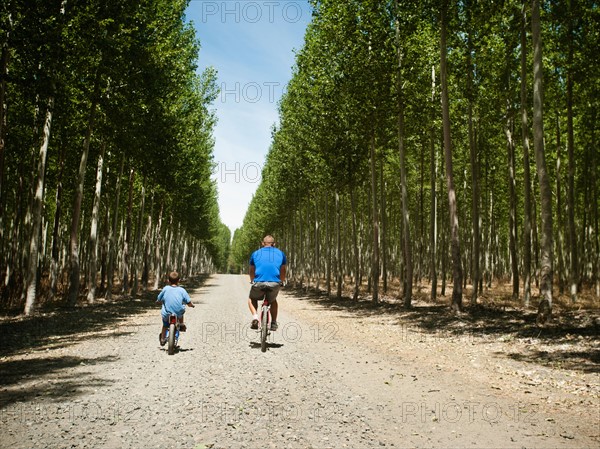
(268, 261)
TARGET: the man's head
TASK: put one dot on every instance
(268, 240)
(173, 277)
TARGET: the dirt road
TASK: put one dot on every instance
(330, 378)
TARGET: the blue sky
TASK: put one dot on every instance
(251, 44)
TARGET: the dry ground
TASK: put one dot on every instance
(338, 373)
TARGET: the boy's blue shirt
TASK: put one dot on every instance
(268, 261)
(173, 299)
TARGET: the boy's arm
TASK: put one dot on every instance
(160, 296)
(186, 299)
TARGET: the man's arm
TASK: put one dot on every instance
(282, 273)
(252, 272)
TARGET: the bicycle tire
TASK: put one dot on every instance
(264, 329)
(171, 348)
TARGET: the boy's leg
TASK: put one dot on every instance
(163, 332)
(163, 335)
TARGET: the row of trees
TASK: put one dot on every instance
(105, 150)
(403, 151)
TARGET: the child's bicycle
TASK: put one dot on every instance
(172, 334)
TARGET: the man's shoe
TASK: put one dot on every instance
(254, 324)
(274, 326)
(161, 340)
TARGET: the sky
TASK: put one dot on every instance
(251, 44)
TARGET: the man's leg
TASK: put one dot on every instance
(253, 305)
(274, 307)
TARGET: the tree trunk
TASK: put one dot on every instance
(512, 216)
(382, 192)
(127, 242)
(4, 57)
(93, 271)
(406, 240)
(526, 166)
(112, 244)
(54, 265)
(375, 223)
(38, 202)
(433, 204)
(538, 145)
(317, 255)
(355, 252)
(476, 244)
(328, 246)
(560, 272)
(338, 246)
(74, 241)
(157, 249)
(457, 274)
(574, 278)
(138, 242)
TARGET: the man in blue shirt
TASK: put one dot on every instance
(267, 272)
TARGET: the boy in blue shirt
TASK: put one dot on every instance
(173, 298)
(267, 269)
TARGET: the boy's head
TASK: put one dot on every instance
(173, 277)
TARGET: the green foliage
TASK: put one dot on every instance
(153, 112)
(345, 88)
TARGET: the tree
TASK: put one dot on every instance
(538, 145)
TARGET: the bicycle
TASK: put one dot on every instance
(172, 334)
(264, 318)
(264, 323)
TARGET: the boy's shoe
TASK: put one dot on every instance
(182, 327)
(274, 325)
(161, 340)
(254, 324)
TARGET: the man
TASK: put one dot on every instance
(267, 272)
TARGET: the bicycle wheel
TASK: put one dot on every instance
(264, 328)
(171, 348)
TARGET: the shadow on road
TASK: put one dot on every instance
(572, 335)
(256, 345)
(56, 327)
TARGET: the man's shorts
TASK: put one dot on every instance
(261, 289)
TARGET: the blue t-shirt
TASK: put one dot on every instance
(268, 261)
(173, 299)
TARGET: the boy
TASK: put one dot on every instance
(173, 298)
